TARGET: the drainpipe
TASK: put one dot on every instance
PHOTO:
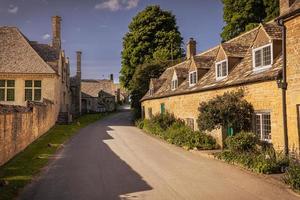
(283, 86)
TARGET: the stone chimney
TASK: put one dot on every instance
(56, 32)
(191, 48)
(111, 77)
(78, 71)
(285, 5)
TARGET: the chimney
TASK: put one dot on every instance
(285, 5)
(191, 48)
(78, 71)
(56, 32)
(112, 77)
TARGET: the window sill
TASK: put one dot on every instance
(261, 69)
(220, 78)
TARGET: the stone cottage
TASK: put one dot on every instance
(264, 62)
(98, 95)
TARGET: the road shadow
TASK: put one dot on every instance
(88, 169)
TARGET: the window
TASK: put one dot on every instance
(263, 126)
(33, 90)
(162, 108)
(221, 69)
(190, 123)
(174, 84)
(262, 57)
(150, 115)
(151, 91)
(193, 78)
(7, 90)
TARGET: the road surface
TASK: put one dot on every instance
(111, 159)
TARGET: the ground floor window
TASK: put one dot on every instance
(190, 123)
(150, 115)
(33, 90)
(7, 90)
(162, 108)
(143, 112)
(263, 126)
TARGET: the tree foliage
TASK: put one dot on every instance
(153, 35)
(229, 110)
(243, 15)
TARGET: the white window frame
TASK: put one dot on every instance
(6, 88)
(174, 84)
(194, 81)
(262, 67)
(216, 67)
(261, 134)
(33, 88)
(151, 91)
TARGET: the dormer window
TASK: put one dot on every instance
(151, 91)
(221, 69)
(262, 57)
(174, 84)
(192, 78)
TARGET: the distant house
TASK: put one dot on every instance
(30, 71)
(98, 95)
(253, 61)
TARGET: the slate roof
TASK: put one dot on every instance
(241, 73)
(91, 88)
(293, 8)
(18, 55)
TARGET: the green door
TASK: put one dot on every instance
(162, 108)
(230, 132)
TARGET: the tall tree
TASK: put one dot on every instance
(243, 15)
(153, 35)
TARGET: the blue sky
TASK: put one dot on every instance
(96, 27)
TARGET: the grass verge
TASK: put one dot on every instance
(20, 171)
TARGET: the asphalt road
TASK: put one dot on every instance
(111, 159)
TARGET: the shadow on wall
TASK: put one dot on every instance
(89, 169)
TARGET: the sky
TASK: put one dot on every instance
(96, 27)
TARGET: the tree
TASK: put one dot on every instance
(141, 80)
(243, 15)
(229, 110)
(153, 35)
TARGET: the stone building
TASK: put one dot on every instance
(30, 71)
(75, 86)
(253, 61)
(99, 95)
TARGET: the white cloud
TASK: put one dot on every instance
(13, 9)
(46, 36)
(115, 5)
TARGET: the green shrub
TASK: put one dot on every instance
(139, 123)
(292, 176)
(164, 120)
(242, 142)
(152, 127)
(181, 135)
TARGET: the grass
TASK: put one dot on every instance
(26, 165)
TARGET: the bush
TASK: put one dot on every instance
(139, 123)
(164, 120)
(242, 142)
(292, 176)
(152, 127)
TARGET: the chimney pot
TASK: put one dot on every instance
(56, 32)
(111, 77)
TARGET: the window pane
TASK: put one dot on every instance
(2, 83)
(224, 69)
(10, 83)
(266, 120)
(219, 70)
(2, 94)
(10, 94)
(37, 83)
(28, 94)
(37, 94)
(28, 83)
(267, 55)
(258, 125)
(258, 58)
(195, 77)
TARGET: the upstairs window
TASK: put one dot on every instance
(174, 84)
(262, 57)
(151, 91)
(221, 69)
(263, 126)
(7, 90)
(33, 90)
(192, 78)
